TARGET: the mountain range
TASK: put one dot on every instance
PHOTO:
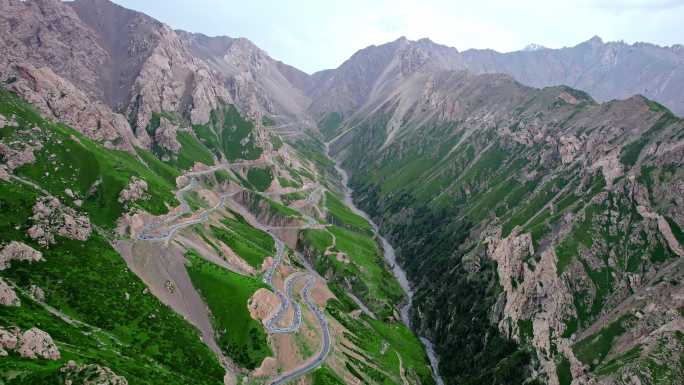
(176, 209)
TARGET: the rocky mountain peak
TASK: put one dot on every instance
(595, 40)
(533, 47)
(129, 38)
(604, 70)
(372, 73)
(247, 56)
(402, 40)
(425, 40)
(131, 66)
(252, 78)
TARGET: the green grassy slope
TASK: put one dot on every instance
(342, 215)
(95, 174)
(366, 273)
(374, 283)
(141, 339)
(252, 245)
(229, 134)
(260, 178)
(121, 325)
(242, 338)
(380, 342)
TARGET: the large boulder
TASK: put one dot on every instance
(35, 343)
(17, 155)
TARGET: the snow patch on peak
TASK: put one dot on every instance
(534, 47)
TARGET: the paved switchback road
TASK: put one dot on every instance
(286, 299)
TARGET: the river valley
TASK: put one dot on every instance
(397, 271)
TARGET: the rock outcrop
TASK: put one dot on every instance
(37, 293)
(165, 136)
(8, 340)
(569, 146)
(534, 294)
(15, 155)
(92, 374)
(267, 368)
(262, 304)
(4, 173)
(4, 122)
(57, 98)
(51, 218)
(35, 343)
(131, 223)
(7, 295)
(171, 79)
(136, 190)
(18, 251)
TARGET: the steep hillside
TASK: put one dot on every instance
(534, 216)
(127, 268)
(61, 197)
(174, 210)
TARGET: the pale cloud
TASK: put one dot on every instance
(317, 34)
(636, 5)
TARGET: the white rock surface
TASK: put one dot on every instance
(37, 292)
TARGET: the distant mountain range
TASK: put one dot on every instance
(605, 70)
(131, 65)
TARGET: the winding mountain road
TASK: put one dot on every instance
(285, 302)
(149, 233)
(325, 343)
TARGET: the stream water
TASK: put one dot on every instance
(399, 273)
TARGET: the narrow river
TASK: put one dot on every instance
(399, 273)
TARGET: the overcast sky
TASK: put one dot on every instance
(319, 34)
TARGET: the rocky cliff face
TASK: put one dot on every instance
(539, 210)
(53, 60)
(106, 71)
(253, 78)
